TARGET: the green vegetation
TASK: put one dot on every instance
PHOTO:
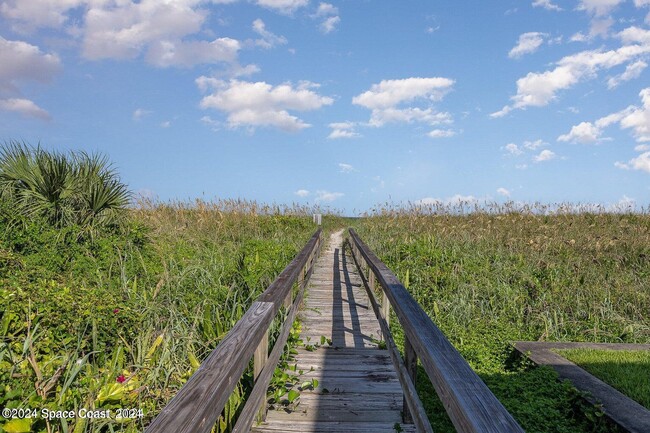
(626, 370)
(492, 276)
(106, 307)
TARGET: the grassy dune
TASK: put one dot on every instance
(490, 277)
(123, 319)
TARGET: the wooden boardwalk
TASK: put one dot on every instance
(358, 389)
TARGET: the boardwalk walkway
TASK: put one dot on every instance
(358, 389)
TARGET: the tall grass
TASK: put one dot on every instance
(123, 320)
(488, 276)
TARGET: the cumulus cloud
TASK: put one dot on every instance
(641, 162)
(584, 132)
(533, 145)
(328, 15)
(527, 43)
(632, 71)
(322, 195)
(191, 53)
(38, 13)
(546, 4)
(598, 7)
(269, 39)
(441, 133)
(302, 193)
(512, 149)
(545, 155)
(345, 168)
(124, 30)
(539, 89)
(283, 6)
(256, 104)
(24, 107)
(503, 191)
(384, 99)
(343, 130)
(636, 118)
(23, 62)
(139, 113)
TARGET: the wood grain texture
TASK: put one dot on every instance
(358, 388)
(471, 406)
(622, 410)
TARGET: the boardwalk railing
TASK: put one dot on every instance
(198, 404)
(471, 406)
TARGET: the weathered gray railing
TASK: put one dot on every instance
(470, 404)
(198, 404)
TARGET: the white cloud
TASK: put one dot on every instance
(24, 107)
(302, 193)
(527, 43)
(165, 124)
(22, 62)
(191, 53)
(124, 30)
(345, 168)
(584, 132)
(390, 93)
(140, 113)
(512, 149)
(544, 155)
(343, 130)
(546, 4)
(329, 24)
(632, 71)
(641, 162)
(322, 195)
(261, 104)
(598, 7)
(384, 98)
(283, 6)
(269, 40)
(539, 89)
(441, 133)
(38, 13)
(504, 192)
(642, 147)
(326, 9)
(533, 145)
(633, 117)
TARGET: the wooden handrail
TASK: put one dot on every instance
(470, 404)
(198, 404)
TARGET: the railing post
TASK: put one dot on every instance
(411, 364)
(385, 307)
(259, 361)
(371, 281)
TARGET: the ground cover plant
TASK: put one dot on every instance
(106, 313)
(626, 370)
(501, 273)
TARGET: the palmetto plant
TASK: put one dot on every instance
(76, 188)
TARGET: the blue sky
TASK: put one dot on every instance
(345, 104)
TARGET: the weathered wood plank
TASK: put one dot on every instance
(470, 404)
(331, 427)
(621, 409)
(198, 404)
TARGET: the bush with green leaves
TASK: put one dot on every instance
(74, 188)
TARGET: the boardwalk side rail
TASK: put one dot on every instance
(198, 404)
(470, 404)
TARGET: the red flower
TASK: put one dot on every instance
(121, 378)
(115, 311)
